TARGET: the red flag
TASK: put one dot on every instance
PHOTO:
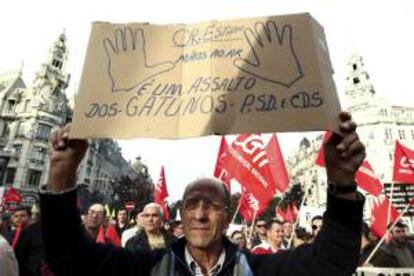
(366, 179)
(277, 165)
(161, 193)
(112, 235)
(289, 214)
(220, 171)
(379, 217)
(17, 235)
(403, 164)
(250, 207)
(320, 159)
(101, 235)
(248, 163)
(412, 201)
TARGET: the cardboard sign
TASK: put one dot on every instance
(266, 74)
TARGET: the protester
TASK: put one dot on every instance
(177, 228)
(380, 258)
(19, 220)
(259, 234)
(274, 241)
(134, 230)
(400, 249)
(288, 234)
(205, 214)
(121, 221)
(238, 238)
(152, 235)
(316, 225)
(95, 219)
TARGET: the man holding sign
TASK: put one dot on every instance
(204, 250)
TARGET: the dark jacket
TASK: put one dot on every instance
(140, 241)
(380, 258)
(69, 251)
(29, 251)
(389, 250)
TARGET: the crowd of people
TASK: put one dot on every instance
(61, 241)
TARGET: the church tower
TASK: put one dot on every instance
(359, 89)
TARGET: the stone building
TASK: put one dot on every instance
(28, 113)
(380, 124)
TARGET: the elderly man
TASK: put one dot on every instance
(152, 237)
(274, 241)
(204, 250)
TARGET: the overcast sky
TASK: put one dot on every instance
(381, 31)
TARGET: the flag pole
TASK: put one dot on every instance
(386, 233)
(253, 223)
(237, 209)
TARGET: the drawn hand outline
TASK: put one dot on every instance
(271, 46)
(127, 51)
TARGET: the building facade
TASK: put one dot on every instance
(27, 116)
(380, 124)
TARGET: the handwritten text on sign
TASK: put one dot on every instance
(249, 75)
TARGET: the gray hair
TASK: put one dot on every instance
(156, 206)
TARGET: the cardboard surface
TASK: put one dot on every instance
(268, 74)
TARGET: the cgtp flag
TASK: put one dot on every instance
(112, 235)
(403, 164)
(101, 235)
(161, 194)
(250, 207)
(277, 166)
(220, 171)
(248, 163)
(366, 179)
(380, 216)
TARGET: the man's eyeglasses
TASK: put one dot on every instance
(260, 225)
(192, 204)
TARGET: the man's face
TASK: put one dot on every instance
(260, 227)
(95, 217)
(204, 214)
(152, 220)
(316, 226)
(287, 230)
(275, 234)
(122, 216)
(20, 217)
(178, 230)
(399, 234)
(239, 239)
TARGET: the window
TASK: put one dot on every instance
(356, 80)
(43, 132)
(9, 177)
(26, 105)
(401, 134)
(10, 105)
(6, 130)
(354, 66)
(388, 134)
(33, 178)
(412, 134)
(38, 155)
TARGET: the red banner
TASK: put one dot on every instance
(220, 171)
(250, 207)
(248, 163)
(380, 216)
(161, 193)
(403, 164)
(320, 159)
(290, 214)
(278, 170)
(366, 179)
